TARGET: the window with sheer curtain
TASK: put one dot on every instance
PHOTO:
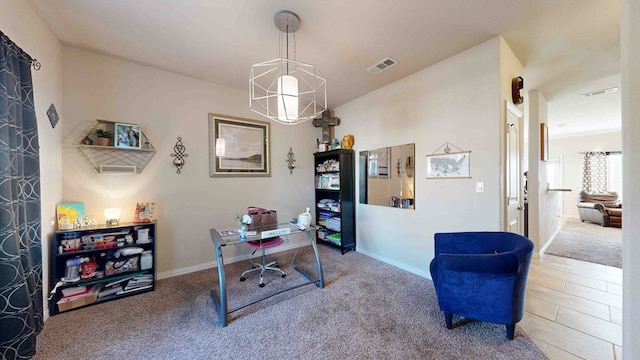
(602, 171)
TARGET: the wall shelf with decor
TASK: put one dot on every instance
(92, 265)
(335, 199)
(113, 159)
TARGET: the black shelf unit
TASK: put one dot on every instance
(60, 255)
(335, 185)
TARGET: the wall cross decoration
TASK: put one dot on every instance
(326, 122)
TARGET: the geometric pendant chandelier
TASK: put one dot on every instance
(283, 89)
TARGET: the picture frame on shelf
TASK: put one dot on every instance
(127, 136)
(238, 147)
(144, 212)
(455, 165)
(67, 213)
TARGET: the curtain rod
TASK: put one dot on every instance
(604, 152)
(17, 50)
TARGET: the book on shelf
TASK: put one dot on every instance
(138, 282)
(334, 223)
(334, 238)
(109, 291)
(90, 290)
(125, 291)
(76, 290)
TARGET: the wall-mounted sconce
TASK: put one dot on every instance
(291, 161)
(220, 147)
(113, 216)
(179, 155)
(399, 168)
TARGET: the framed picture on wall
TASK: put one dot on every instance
(127, 136)
(238, 147)
(448, 165)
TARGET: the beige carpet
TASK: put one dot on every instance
(588, 242)
(368, 310)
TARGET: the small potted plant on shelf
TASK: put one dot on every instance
(103, 137)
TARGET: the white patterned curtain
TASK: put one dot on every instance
(21, 315)
(594, 172)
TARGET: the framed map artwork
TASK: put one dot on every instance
(448, 165)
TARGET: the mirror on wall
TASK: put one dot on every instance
(387, 176)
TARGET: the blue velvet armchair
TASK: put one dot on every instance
(482, 276)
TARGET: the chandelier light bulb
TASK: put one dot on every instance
(287, 98)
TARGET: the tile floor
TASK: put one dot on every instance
(573, 309)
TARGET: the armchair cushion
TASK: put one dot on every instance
(472, 281)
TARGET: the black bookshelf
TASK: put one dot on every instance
(335, 199)
(136, 277)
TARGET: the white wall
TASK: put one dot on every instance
(572, 162)
(510, 67)
(24, 27)
(630, 90)
(166, 106)
(543, 219)
(455, 101)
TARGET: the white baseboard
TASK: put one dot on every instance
(419, 272)
(550, 240)
(227, 260)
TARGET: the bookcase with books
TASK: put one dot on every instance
(335, 199)
(95, 264)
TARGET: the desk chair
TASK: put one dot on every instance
(263, 266)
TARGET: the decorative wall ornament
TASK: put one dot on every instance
(52, 113)
(326, 122)
(517, 83)
(179, 155)
(291, 161)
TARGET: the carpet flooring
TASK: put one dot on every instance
(588, 242)
(367, 310)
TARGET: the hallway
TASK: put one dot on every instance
(573, 309)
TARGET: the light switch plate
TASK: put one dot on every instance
(480, 186)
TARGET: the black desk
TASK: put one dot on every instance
(220, 302)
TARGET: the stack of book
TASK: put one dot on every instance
(323, 216)
(329, 204)
(334, 238)
(139, 282)
(333, 224)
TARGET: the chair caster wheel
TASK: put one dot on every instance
(284, 275)
(261, 285)
(243, 278)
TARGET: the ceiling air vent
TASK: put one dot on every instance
(381, 66)
(118, 169)
(599, 92)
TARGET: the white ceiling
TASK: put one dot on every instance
(568, 47)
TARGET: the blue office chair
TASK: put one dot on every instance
(263, 266)
(482, 276)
